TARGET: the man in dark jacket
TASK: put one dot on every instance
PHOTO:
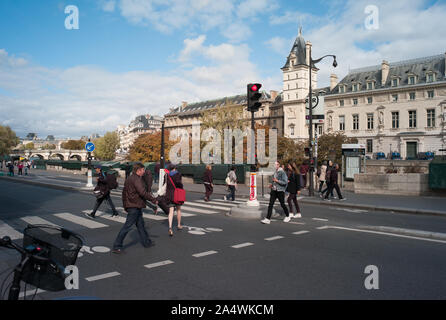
(208, 182)
(134, 196)
(334, 183)
(104, 188)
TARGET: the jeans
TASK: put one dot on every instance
(134, 216)
(231, 193)
(328, 189)
(292, 198)
(273, 196)
(99, 202)
(321, 184)
(209, 190)
(338, 190)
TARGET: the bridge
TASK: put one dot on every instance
(80, 155)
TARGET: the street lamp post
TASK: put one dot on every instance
(310, 111)
(162, 145)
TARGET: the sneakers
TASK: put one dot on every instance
(335, 197)
(297, 215)
(342, 199)
(287, 219)
(224, 198)
(292, 215)
(89, 215)
(266, 221)
(117, 251)
(326, 199)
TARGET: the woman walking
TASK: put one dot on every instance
(173, 181)
(322, 176)
(231, 181)
(208, 182)
(294, 189)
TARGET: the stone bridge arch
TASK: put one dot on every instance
(75, 157)
(56, 155)
(41, 157)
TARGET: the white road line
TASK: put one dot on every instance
(386, 234)
(154, 217)
(208, 206)
(229, 202)
(6, 230)
(202, 254)
(319, 219)
(323, 227)
(158, 264)
(301, 232)
(218, 203)
(30, 292)
(296, 222)
(273, 238)
(103, 276)
(37, 220)
(195, 210)
(242, 245)
(81, 221)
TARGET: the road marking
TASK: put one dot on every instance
(81, 221)
(211, 206)
(154, 217)
(273, 238)
(301, 232)
(296, 222)
(195, 210)
(6, 230)
(202, 254)
(352, 210)
(319, 219)
(218, 203)
(37, 220)
(385, 233)
(30, 292)
(158, 264)
(229, 202)
(103, 276)
(242, 245)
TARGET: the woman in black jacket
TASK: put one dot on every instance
(208, 182)
(175, 177)
(294, 189)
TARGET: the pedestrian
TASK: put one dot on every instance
(134, 198)
(173, 182)
(278, 187)
(208, 182)
(11, 169)
(27, 167)
(327, 180)
(334, 183)
(321, 177)
(157, 171)
(293, 188)
(231, 182)
(303, 171)
(20, 166)
(102, 192)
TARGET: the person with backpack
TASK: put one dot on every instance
(327, 180)
(208, 182)
(134, 197)
(231, 182)
(293, 188)
(173, 184)
(102, 192)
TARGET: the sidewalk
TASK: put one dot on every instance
(401, 204)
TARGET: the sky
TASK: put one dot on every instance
(130, 57)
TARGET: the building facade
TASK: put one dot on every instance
(140, 125)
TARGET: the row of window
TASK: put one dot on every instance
(430, 116)
(395, 82)
(412, 96)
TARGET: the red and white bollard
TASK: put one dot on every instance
(253, 202)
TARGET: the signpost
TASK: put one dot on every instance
(89, 146)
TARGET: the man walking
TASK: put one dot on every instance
(231, 182)
(134, 197)
(278, 187)
(104, 189)
(334, 183)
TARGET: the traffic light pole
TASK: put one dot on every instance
(90, 174)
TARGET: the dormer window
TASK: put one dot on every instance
(370, 85)
(430, 77)
(355, 87)
(395, 82)
(341, 89)
(412, 79)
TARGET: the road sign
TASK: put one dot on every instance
(89, 146)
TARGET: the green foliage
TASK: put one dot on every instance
(106, 146)
(8, 139)
(73, 145)
(29, 146)
(330, 147)
(147, 147)
(288, 150)
(49, 146)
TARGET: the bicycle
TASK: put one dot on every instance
(46, 252)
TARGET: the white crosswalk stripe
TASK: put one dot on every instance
(90, 224)
(37, 220)
(224, 201)
(195, 210)
(6, 230)
(211, 206)
(227, 204)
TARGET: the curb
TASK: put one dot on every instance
(407, 232)
(306, 201)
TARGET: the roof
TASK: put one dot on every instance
(299, 50)
(210, 104)
(402, 70)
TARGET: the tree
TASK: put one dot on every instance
(147, 147)
(330, 147)
(106, 146)
(49, 146)
(29, 146)
(290, 151)
(73, 145)
(8, 139)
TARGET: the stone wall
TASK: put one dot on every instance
(380, 166)
(410, 184)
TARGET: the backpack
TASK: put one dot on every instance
(112, 182)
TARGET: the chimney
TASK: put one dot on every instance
(384, 72)
(307, 48)
(183, 105)
(333, 81)
(273, 94)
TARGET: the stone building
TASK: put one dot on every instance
(140, 125)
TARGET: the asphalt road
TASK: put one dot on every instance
(323, 255)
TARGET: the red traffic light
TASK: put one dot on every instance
(255, 87)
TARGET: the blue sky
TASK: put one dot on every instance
(132, 57)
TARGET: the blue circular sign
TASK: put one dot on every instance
(89, 146)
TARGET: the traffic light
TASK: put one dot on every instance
(307, 151)
(253, 96)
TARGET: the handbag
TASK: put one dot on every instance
(162, 190)
(228, 180)
(179, 195)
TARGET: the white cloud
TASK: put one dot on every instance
(109, 6)
(280, 45)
